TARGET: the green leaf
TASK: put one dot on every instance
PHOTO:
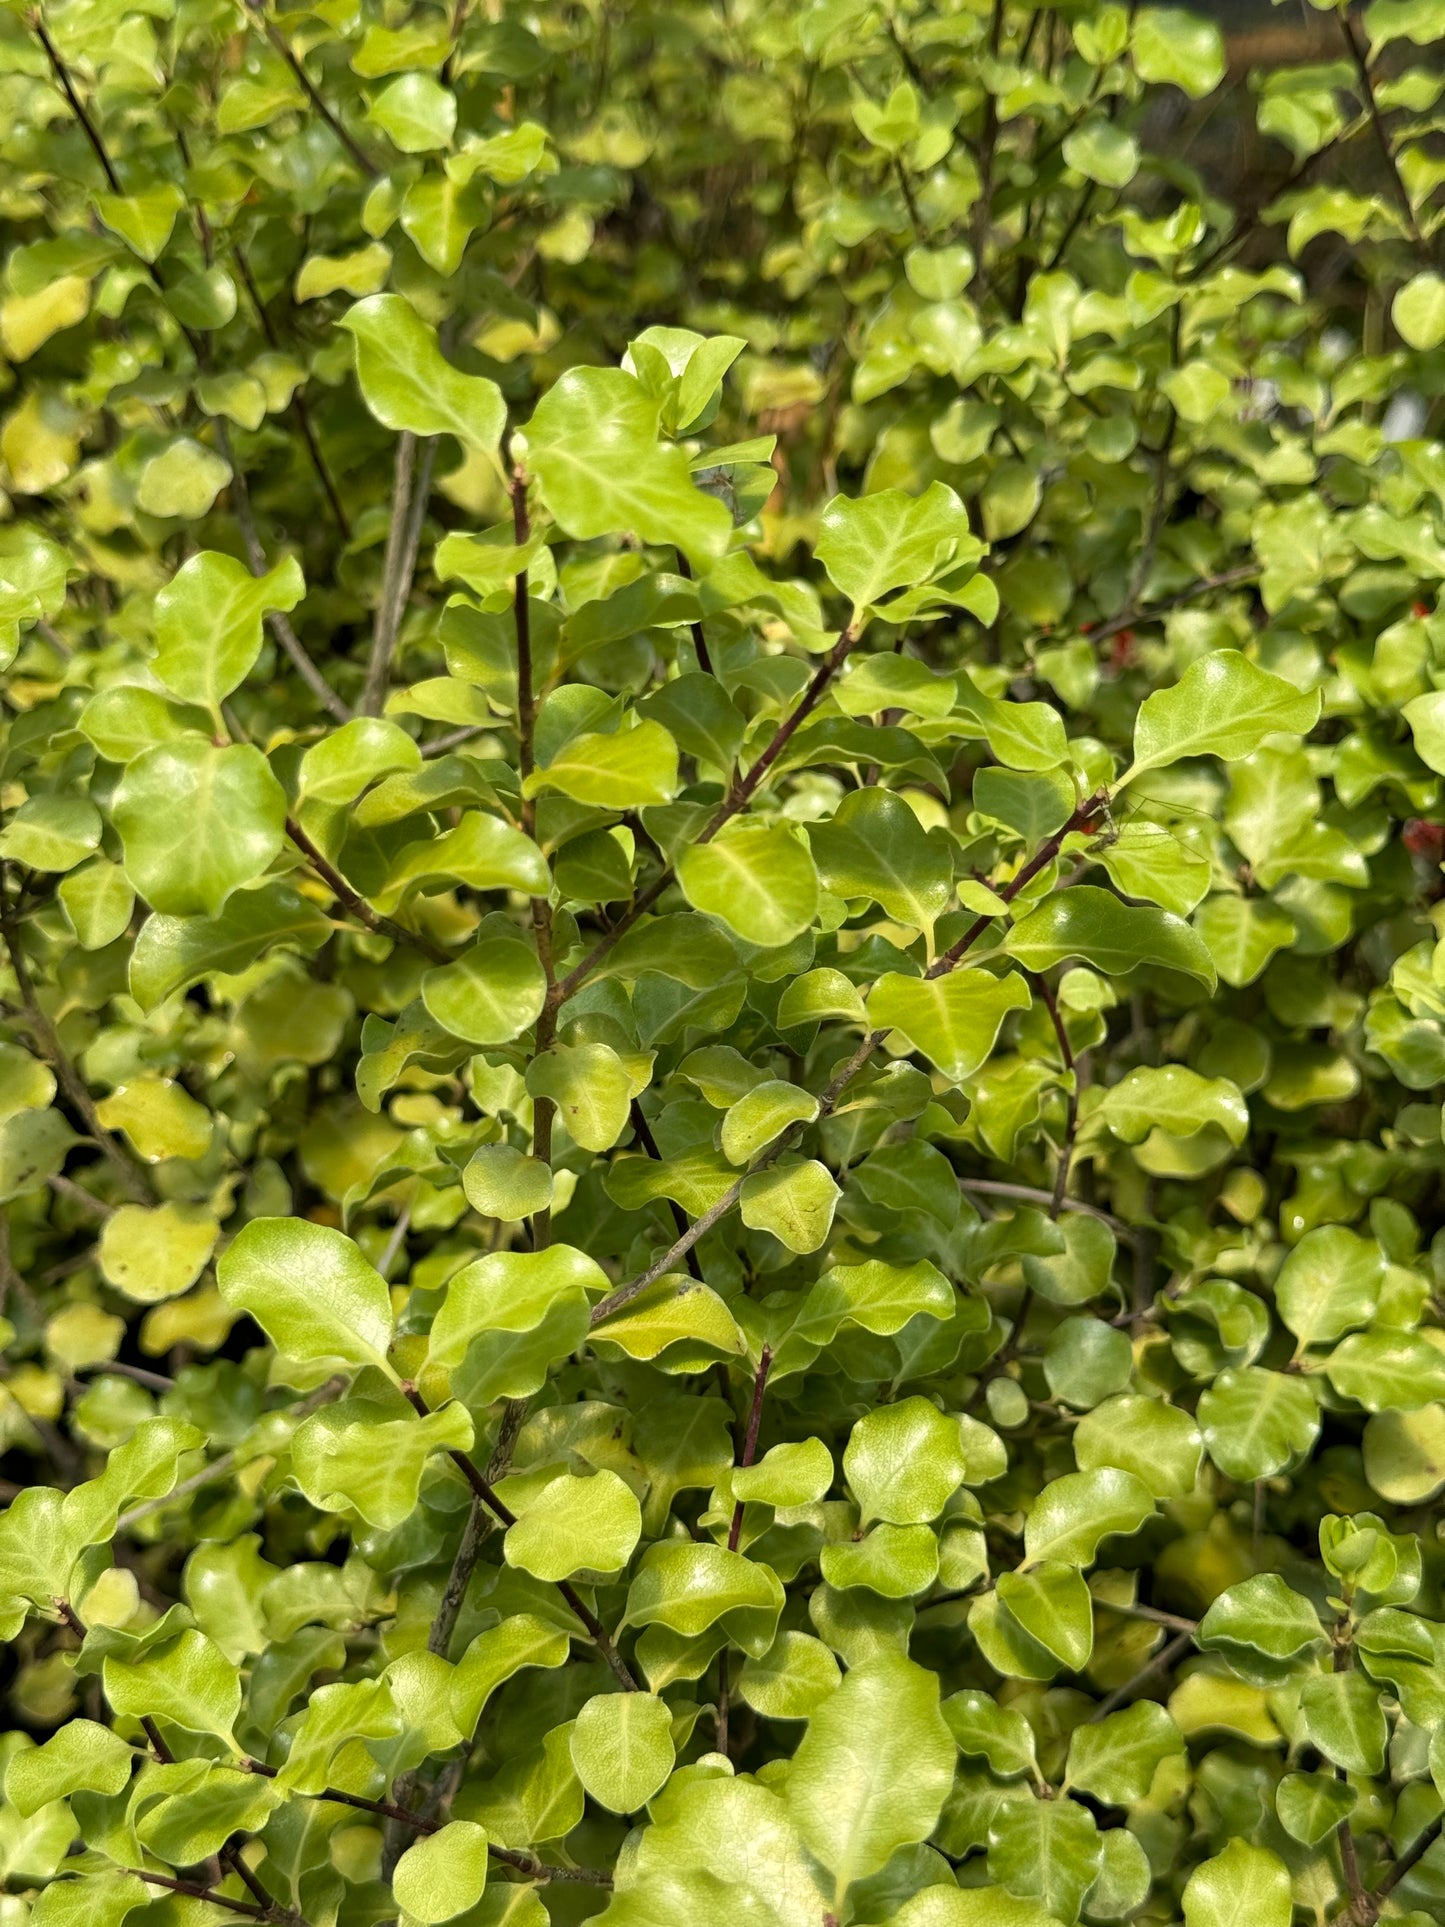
(999, 1735)
(1073, 1514)
(196, 822)
(874, 846)
(1426, 717)
(1265, 1615)
(791, 1679)
(409, 384)
(762, 1114)
(187, 1681)
(1113, 937)
(1115, 1759)
(873, 1769)
(443, 1873)
(171, 953)
(592, 444)
(1102, 152)
(1045, 1850)
(622, 1749)
(953, 1019)
(1418, 312)
(1244, 1886)
(310, 1290)
(1311, 1805)
(757, 878)
(1172, 1098)
(892, 540)
(1179, 49)
(1155, 1441)
(489, 995)
(1256, 1422)
(1052, 1607)
(1387, 1370)
(417, 114)
(368, 1456)
(1223, 705)
(904, 1462)
(591, 1089)
(794, 1199)
(81, 1756)
(575, 1525)
(183, 481)
(624, 771)
(1329, 1282)
(497, 1655)
(690, 1587)
(208, 623)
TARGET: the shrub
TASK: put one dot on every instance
(721, 878)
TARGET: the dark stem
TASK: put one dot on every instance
(277, 620)
(1407, 1862)
(67, 87)
(988, 143)
(133, 1174)
(1356, 49)
(483, 1489)
(353, 147)
(738, 797)
(298, 400)
(395, 579)
(699, 641)
(1161, 1661)
(1029, 1194)
(388, 1810)
(1071, 1120)
(197, 1892)
(1132, 613)
(643, 1133)
(355, 904)
(750, 1443)
(459, 1578)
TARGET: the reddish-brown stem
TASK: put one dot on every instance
(738, 797)
(750, 1443)
(351, 901)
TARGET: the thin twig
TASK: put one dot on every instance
(1071, 1118)
(1082, 819)
(1407, 1862)
(282, 45)
(411, 483)
(297, 403)
(1355, 46)
(643, 1133)
(225, 1464)
(277, 620)
(1161, 1661)
(133, 1174)
(356, 904)
(67, 87)
(484, 1490)
(738, 797)
(699, 640)
(1030, 1194)
(1132, 613)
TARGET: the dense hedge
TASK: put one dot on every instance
(722, 1004)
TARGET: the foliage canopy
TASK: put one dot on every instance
(724, 984)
